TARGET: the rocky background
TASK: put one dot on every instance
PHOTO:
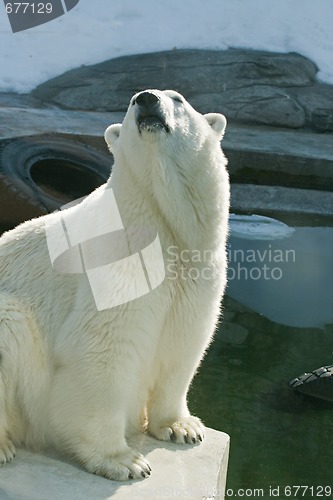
(249, 87)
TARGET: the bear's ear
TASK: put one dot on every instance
(218, 123)
(111, 136)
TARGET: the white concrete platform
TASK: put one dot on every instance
(183, 472)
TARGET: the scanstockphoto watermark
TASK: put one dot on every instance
(26, 15)
(249, 264)
(185, 264)
(121, 263)
(256, 264)
(125, 263)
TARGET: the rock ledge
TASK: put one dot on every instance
(249, 87)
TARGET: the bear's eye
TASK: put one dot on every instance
(177, 99)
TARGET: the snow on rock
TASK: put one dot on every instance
(93, 32)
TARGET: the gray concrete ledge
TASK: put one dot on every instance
(19, 122)
(16, 121)
(274, 156)
(279, 141)
(252, 198)
(265, 155)
(191, 472)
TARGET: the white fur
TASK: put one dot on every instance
(81, 379)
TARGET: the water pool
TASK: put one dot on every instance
(273, 330)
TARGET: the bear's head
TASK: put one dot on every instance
(174, 156)
(163, 125)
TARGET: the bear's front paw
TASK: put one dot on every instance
(120, 467)
(188, 430)
(7, 451)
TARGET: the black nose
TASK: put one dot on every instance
(147, 99)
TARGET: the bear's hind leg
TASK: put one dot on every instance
(23, 378)
(7, 449)
(87, 415)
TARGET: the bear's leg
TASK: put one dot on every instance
(168, 414)
(183, 343)
(19, 361)
(88, 409)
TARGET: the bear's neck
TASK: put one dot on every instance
(189, 211)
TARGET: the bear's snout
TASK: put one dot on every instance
(147, 99)
(149, 112)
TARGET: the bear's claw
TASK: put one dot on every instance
(121, 467)
(7, 452)
(186, 430)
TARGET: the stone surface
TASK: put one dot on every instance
(191, 472)
(247, 86)
(108, 86)
(317, 101)
(272, 156)
(233, 334)
(257, 104)
(256, 154)
(10, 99)
(263, 199)
(20, 121)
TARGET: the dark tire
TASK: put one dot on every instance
(39, 174)
(317, 384)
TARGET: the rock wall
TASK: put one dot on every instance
(251, 87)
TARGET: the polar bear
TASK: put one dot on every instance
(82, 379)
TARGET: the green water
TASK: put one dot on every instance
(278, 437)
